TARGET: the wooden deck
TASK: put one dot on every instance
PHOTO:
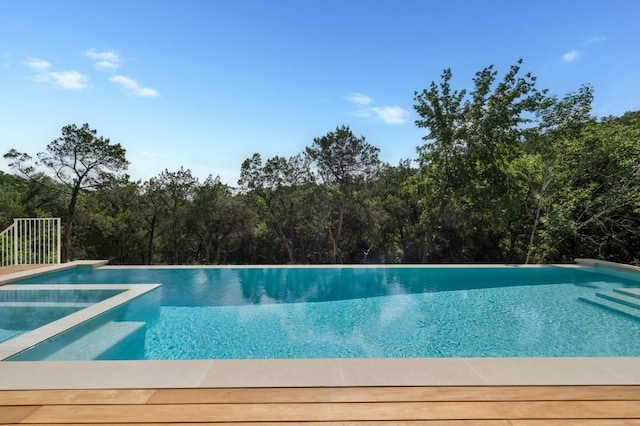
(483, 405)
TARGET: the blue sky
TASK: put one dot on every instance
(205, 84)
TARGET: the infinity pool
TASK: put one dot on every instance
(387, 312)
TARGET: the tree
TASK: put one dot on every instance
(216, 216)
(559, 120)
(173, 193)
(343, 163)
(21, 197)
(279, 186)
(397, 195)
(594, 210)
(80, 161)
(466, 163)
(109, 223)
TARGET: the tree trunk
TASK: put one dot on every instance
(534, 229)
(151, 237)
(288, 245)
(68, 229)
(335, 239)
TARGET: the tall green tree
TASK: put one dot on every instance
(397, 195)
(216, 216)
(594, 210)
(343, 164)
(279, 191)
(79, 160)
(466, 163)
(110, 225)
(559, 121)
(175, 192)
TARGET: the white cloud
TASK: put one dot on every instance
(571, 56)
(359, 99)
(599, 39)
(386, 114)
(390, 114)
(71, 80)
(105, 60)
(106, 66)
(150, 154)
(132, 87)
(37, 64)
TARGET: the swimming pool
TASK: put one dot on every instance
(371, 312)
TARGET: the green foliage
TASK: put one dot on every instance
(216, 217)
(78, 160)
(343, 159)
(280, 195)
(506, 173)
(344, 163)
(598, 190)
(467, 175)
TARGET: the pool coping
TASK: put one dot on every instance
(24, 375)
(46, 269)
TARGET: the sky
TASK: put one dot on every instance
(205, 84)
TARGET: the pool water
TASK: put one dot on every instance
(243, 313)
(24, 310)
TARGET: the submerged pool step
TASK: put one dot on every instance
(604, 300)
(105, 342)
(79, 305)
(619, 297)
(633, 292)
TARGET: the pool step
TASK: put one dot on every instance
(79, 305)
(16, 316)
(108, 341)
(619, 300)
(633, 292)
(618, 297)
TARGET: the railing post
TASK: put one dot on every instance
(15, 241)
(58, 232)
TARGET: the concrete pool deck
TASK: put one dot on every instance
(23, 375)
(318, 373)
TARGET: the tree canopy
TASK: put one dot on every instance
(79, 160)
(505, 173)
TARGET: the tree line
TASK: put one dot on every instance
(505, 173)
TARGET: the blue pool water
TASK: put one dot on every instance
(239, 313)
(25, 310)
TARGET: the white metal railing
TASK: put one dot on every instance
(30, 241)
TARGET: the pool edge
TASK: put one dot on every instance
(47, 269)
(338, 372)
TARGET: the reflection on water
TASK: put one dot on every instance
(260, 286)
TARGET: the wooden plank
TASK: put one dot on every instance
(581, 422)
(10, 414)
(395, 394)
(335, 412)
(573, 422)
(278, 395)
(75, 396)
(375, 423)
